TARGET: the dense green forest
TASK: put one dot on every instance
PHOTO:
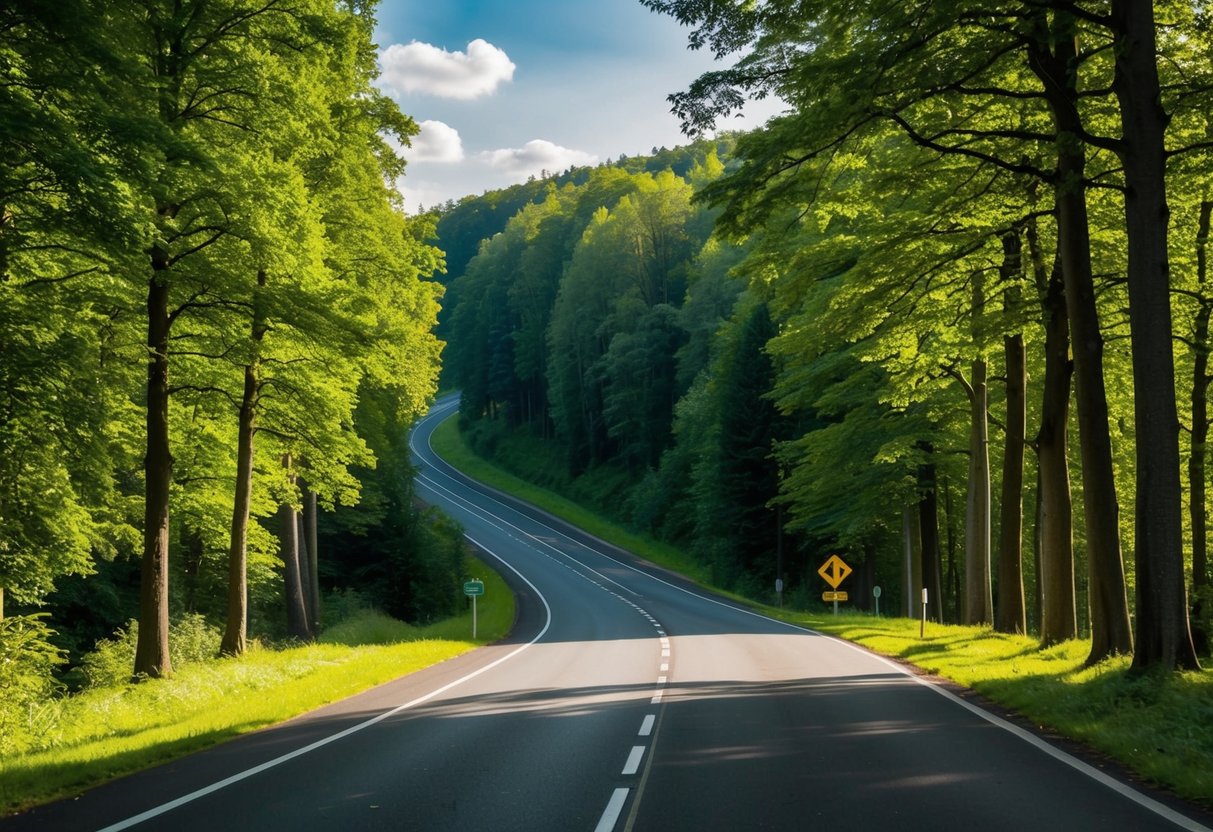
(947, 316)
(212, 309)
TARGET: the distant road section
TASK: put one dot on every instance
(625, 699)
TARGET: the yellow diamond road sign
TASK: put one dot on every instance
(834, 571)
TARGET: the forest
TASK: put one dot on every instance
(947, 316)
(216, 326)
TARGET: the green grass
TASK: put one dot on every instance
(1160, 726)
(103, 733)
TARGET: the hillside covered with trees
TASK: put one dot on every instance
(949, 320)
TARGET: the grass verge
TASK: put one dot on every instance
(104, 733)
(1160, 726)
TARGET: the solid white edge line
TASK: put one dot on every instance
(1143, 800)
(633, 763)
(299, 752)
(646, 726)
(610, 815)
(433, 484)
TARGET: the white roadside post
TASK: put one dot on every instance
(922, 628)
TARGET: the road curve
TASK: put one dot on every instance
(625, 699)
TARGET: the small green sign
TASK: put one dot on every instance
(473, 588)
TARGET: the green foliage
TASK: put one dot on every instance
(368, 626)
(28, 660)
(238, 159)
(386, 551)
(109, 664)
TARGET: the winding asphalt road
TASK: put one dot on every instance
(625, 699)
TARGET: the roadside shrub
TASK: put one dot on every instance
(368, 626)
(28, 660)
(341, 605)
(112, 659)
(192, 639)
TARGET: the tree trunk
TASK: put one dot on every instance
(305, 569)
(1110, 629)
(288, 539)
(928, 512)
(1055, 523)
(151, 649)
(1163, 636)
(1200, 408)
(978, 594)
(1036, 563)
(1010, 613)
(978, 597)
(313, 553)
(235, 634)
(912, 572)
(953, 578)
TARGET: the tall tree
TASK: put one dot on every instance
(1010, 615)
(1054, 524)
(1164, 638)
(978, 600)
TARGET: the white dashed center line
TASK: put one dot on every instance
(633, 763)
(631, 768)
(646, 727)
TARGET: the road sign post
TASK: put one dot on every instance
(833, 572)
(473, 589)
(876, 595)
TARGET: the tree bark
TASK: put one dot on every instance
(288, 539)
(305, 569)
(313, 553)
(235, 634)
(1110, 629)
(978, 594)
(912, 573)
(1010, 613)
(151, 648)
(1200, 408)
(928, 511)
(1055, 524)
(1163, 635)
(1011, 610)
(953, 576)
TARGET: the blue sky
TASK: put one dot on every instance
(504, 88)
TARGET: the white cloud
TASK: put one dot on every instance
(437, 142)
(535, 156)
(420, 67)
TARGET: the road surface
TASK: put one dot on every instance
(625, 700)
